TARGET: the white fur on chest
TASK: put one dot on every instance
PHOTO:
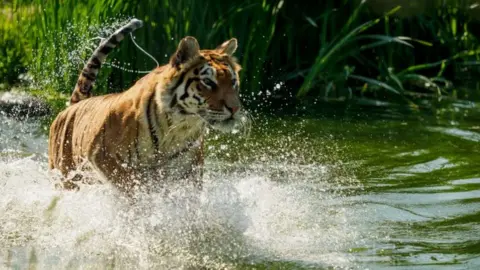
(183, 136)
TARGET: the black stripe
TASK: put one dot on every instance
(89, 76)
(205, 71)
(85, 89)
(173, 102)
(136, 143)
(95, 61)
(197, 98)
(92, 65)
(153, 133)
(185, 95)
(113, 40)
(187, 85)
(180, 80)
(195, 71)
(104, 152)
(119, 157)
(106, 50)
(184, 112)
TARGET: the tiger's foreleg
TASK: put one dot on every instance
(121, 176)
(194, 174)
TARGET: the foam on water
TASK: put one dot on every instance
(242, 216)
(235, 219)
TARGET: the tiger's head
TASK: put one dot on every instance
(206, 84)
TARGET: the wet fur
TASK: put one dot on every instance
(146, 136)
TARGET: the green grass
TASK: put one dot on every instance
(327, 50)
(343, 45)
(60, 33)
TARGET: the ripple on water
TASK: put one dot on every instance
(460, 133)
(418, 210)
(430, 166)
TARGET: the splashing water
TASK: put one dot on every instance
(245, 216)
(64, 54)
(265, 210)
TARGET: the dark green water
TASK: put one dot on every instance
(378, 191)
(416, 178)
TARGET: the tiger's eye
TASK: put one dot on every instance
(209, 82)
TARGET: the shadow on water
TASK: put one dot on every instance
(393, 191)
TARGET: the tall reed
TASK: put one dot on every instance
(332, 48)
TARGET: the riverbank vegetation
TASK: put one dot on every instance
(291, 52)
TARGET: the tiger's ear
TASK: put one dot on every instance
(187, 49)
(229, 47)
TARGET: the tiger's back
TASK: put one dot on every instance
(75, 142)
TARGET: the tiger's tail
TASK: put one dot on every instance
(83, 88)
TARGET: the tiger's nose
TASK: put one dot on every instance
(235, 109)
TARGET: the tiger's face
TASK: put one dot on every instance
(208, 84)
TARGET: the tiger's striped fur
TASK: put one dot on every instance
(153, 132)
(83, 88)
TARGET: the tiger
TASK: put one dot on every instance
(153, 132)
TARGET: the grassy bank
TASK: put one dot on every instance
(330, 50)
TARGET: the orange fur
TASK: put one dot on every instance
(135, 137)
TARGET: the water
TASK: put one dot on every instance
(299, 193)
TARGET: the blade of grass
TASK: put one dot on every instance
(322, 60)
(375, 82)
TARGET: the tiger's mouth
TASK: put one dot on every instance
(227, 123)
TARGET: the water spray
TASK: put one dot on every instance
(142, 50)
